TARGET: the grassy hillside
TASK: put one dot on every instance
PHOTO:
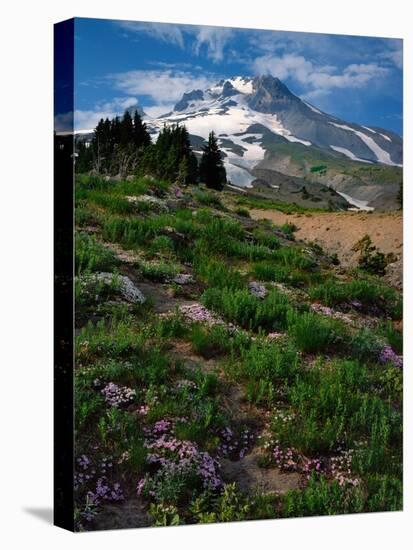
(224, 370)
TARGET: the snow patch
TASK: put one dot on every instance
(348, 153)
(236, 188)
(312, 108)
(369, 129)
(242, 85)
(238, 176)
(382, 155)
(361, 205)
(385, 137)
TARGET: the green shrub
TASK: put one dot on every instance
(333, 405)
(369, 293)
(266, 366)
(134, 231)
(209, 199)
(114, 204)
(394, 337)
(243, 212)
(162, 243)
(210, 342)
(321, 498)
(239, 306)
(365, 345)
(313, 333)
(371, 260)
(84, 215)
(385, 493)
(272, 271)
(113, 339)
(248, 251)
(91, 255)
(216, 340)
(231, 505)
(87, 183)
(158, 271)
(266, 238)
(171, 326)
(216, 273)
(289, 229)
(292, 257)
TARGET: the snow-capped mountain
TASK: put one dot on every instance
(254, 117)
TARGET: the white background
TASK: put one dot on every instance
(26, 271)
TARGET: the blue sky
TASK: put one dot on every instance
(119, 63)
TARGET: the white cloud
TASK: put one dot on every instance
(395, 56)
(202, 39)
(288, 65)
(214, 39)
(161, 86)
(163, 31)
(88, 119)
(318, 80)
(118, 104)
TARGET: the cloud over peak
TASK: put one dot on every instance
(317, 79)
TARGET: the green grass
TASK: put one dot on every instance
(240, 307)
(313, 333)
(91, 255)
(216, 341)
(116, 204)
(243, 212)
(116, 338)
(371, 294)
(216, 273)
(158, 271)
(269, 204)
(266, 238)
(333, 405)
(271, 362)
(292, 257)
(132, 232)
(320, 380)
(274, 272)
(207, 198)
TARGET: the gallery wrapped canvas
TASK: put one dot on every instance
(228, 274)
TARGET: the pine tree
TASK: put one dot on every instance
(126, 130)
(141, 137)
(211, 168)
(173, 154)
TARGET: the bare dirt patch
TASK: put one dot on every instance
(129, 514)
(252, 478)
(338, 232)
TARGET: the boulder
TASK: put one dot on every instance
(258, 290)
(127, 289)
(183, 279)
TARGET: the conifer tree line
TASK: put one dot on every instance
(123, 146)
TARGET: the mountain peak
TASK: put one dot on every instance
(273, 84)
(270, 94)
(194, 95)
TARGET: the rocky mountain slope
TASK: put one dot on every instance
(262, 125)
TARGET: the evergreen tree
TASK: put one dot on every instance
(211, 168)
(173, 156)
(126, 130)
(141, 137)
